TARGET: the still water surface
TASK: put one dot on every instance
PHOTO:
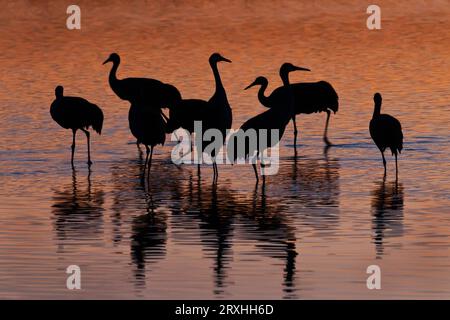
(315, 227)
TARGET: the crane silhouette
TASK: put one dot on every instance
(309, 97)
(77, 114)
(149, 128)
(214, 114)
(141, 91)
(272, 120)
(386, 132)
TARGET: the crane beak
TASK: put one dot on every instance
(106, 61)
(301, 69)
(225, 59)
(248, 87)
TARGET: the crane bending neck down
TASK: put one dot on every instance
(263, 84)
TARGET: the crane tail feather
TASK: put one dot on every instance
(97, 119)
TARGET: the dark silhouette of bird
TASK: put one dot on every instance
(309, 97)
(141, 91)
(149, 128)
(186, 113)
(386, 132)
(214, 114)
(273, 120)
(76, 113)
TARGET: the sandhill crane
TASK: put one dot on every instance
(148, 127)
(141, 91)
(275, 118)
(386, 132)
(310, 97)
(76, 113)
(215, 113)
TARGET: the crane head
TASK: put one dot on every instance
(289, 67)
(377, 98)
(217, 57)
(113, 57)
(59, 91)
(260, 81)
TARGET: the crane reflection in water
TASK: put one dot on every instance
(387, 213)
(78, 213)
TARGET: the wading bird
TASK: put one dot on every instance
(76, 113)
(214, 114)
(273, 120)
(141, 91)
(309, 97)
(148, 127)
(386, 132)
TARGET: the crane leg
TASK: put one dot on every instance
(256, 172)
(146, 159)
(73, 145)
(150, 163)
(396, 167)
(263, 166)
(295, 131)
(384, 162)
(216, 171)
(325, 138)
(88, 136)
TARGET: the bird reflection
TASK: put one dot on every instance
(212, 206)
(127, 193)
(153, 200)
(315, 180)
(78, 212)
(387, 211)
(313, 185)
(148, 242)
(265, 223)
(220, 210)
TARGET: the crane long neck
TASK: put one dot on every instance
(376, 109)
(113, 73)
(285, 78)
(219, 85)
(261, 97)
(291, 101)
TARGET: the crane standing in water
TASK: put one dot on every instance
(275, 118)
(309, 97)
(149, 128)
(214, 114)
(386, 132)
(76, 113)
(142, 93)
